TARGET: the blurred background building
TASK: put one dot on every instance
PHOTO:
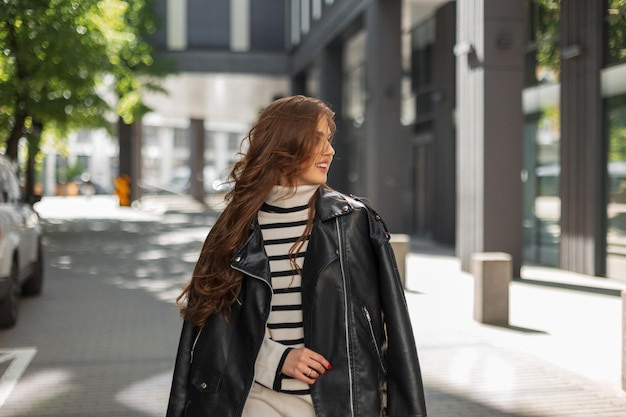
(490, 125)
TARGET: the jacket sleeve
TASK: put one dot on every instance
(405, 392)
(178, 393)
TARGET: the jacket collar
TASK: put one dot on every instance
(251, 257)
(331, 203)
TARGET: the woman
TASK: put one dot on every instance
(295, 306)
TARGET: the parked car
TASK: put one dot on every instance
(21, 253)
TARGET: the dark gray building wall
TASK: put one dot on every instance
(443, 186)
(331, 92)
(208, 24)
(208, 38)
(266, 35)
(582, 196)
(387, 170)
(341, 17)
(489, 120)
(159, 38)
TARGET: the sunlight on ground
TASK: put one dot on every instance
(148, 396)
(95, 207)
(36, 390)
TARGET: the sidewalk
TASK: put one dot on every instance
(560, 355)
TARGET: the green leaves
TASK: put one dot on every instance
(71, 64)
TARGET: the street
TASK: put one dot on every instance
(101, 338)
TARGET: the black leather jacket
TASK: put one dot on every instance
(354, 313)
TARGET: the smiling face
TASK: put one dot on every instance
(315, 170)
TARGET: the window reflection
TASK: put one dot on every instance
(616, 187)
(542, 203)
(542, 134)
(615, 18)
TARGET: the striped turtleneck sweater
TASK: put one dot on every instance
(283, 219)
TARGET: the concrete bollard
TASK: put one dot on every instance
(492, 273)
(624, 340)
(400, 244)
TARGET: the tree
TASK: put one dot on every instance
(50, 69)
(68, 64)
(543, 41)
(616, 28)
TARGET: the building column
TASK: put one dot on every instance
(196, 159)
(582, 158)
(490, 52)
(387, 147)
(331, 92)
(442, 188)
(130, 144)
(298, 84)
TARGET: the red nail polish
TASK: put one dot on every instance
(330, 366)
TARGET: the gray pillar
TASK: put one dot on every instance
(298, 84)
(490, 52)
(196, 159)
(130, 141)
(582, 240)
(387, 161)
(331, 92)
(442, 190)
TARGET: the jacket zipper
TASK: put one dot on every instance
(266, 320)
(369, 323)
(193, 348)
(345, 301)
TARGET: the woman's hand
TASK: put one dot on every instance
(305, 365)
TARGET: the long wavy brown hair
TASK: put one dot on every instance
(275, 151)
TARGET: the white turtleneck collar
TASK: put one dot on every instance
(283, 197)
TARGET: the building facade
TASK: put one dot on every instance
(491, 125)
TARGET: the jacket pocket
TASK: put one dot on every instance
(377, 348)
(206, 381)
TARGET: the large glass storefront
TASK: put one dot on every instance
(542, 136)
(616, 186)
(614, 94)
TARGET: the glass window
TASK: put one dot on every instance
(313, 81)
(295, 22)
(542, 51)
(317, 9)
(354, 78)
(353, 101)
(83, 136)
(150, 136)
(615, 30)
(616, 187)
(305, 10)
(541, 172)
(208, 24)
(542, 134)
(181, 138)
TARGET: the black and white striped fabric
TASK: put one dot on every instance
(283, 221)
